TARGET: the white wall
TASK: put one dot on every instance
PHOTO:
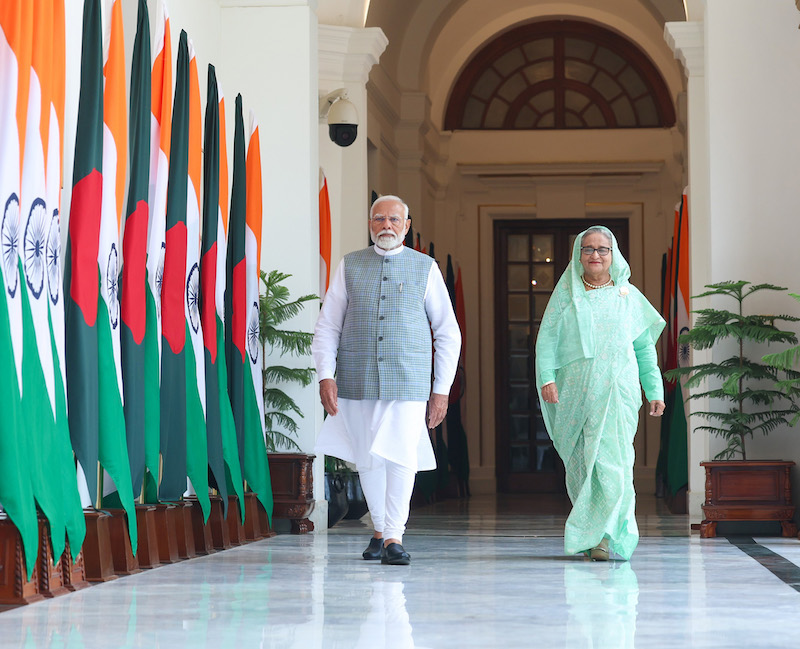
(753, 87)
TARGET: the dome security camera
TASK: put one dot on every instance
(342, 118)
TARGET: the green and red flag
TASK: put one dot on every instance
(230, 447)
(236, 283)
(134, 254)
(81, 277)
(208, 275)
(173, 293)
(241, 313)
(196, 440)
(256, 467)
(16, 490)
(113, 446)
(160, 136)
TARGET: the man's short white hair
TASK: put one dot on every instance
(388, 197)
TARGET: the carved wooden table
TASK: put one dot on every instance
(293, 489)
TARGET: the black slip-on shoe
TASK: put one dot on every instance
(373, 551)
(395, 555)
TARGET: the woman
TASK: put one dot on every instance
(595, 344)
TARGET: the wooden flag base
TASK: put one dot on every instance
(184, 535)
(235, 525)
(263, 519)
(51, 577)
(166, 534)
(97, 554)
(147, 552)
(220, 534)
(203, 543)
(125, 563)
(252, 525)
(74, 570)
(15, 587)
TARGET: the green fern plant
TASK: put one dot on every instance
(276, 306)
(787, 360)
(745, 385)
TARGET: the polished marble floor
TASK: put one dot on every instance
(485, 572)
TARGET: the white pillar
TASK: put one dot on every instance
(346, 55)
(687, 41)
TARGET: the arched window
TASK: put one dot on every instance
(560, 74)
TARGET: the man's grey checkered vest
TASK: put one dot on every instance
(385, 351)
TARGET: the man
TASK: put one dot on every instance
(374, 335)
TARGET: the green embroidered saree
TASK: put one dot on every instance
(599, 348)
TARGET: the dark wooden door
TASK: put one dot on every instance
(530, 256)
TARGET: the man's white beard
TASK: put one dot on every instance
(387, 239)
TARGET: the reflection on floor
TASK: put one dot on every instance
(487, 572)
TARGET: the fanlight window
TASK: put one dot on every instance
(559, 75)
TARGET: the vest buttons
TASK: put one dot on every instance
(383, 297)
(385, 261)
(380, 360)
(381, 318)
(385, 278)
(380, 338)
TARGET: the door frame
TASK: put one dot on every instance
(488, 213)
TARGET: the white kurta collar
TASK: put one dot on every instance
(388, 253)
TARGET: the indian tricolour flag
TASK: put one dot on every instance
(241, 317)
(160, 136)
(256, 468)
(16, 492)
(196, 442)
(54, 157)
(113, 441)
(43, 400)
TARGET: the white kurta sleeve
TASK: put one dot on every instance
(446, 334)
(328, 330)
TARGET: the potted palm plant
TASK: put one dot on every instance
(750, 401)
(290, 468)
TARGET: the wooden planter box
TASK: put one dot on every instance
(748, 490)
(293, 489)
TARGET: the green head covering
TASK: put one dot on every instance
(567, 330)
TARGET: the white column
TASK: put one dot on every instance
(346, 55)
(687, 41)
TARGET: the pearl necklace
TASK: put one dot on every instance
(608, 283)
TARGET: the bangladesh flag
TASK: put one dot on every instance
(173, 294)
(241, 311)
(134, 254)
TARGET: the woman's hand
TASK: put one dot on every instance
(657, 408)
(550, 393)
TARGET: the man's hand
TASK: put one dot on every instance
(328, 392)
(437, 409)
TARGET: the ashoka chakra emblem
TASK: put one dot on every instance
(53, 257)
(35, 242)
(252, 334)
(9, 231)
(112, 286)
(193, 297)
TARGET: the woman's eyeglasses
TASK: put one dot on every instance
(589, 251)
